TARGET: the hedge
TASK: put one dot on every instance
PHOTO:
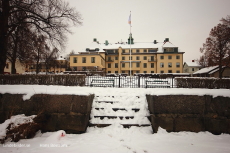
(201, 82)
(65, 80)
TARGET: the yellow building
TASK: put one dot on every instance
(153, 57)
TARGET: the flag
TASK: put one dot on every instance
(129, 19)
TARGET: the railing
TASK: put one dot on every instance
(131, 82)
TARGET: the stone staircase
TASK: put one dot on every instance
(119, 109)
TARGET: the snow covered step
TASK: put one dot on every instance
(123, 109)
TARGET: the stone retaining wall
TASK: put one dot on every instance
(190, 113)
(62, 112)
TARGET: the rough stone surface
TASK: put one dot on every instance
(190, 113)
(62, 112)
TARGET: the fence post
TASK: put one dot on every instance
(139, 79)
(119, 81)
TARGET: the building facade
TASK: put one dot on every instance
(191, 67)
(129, 57)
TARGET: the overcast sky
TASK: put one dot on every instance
(186, 23)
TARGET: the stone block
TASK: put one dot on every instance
(192, 124)
(219, 105)
(163, 122)
(177, 104)
(217, 126)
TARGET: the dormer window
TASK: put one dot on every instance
(171, 50)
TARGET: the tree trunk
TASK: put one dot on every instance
(4, 15)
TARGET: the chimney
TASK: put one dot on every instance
(155, 42)
(95, 40)
(166, 40)
(193, 61)
(106, 42)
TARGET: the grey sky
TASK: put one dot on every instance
(186, 23)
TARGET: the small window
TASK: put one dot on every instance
(145, 65)
(152, 71)
(152, 58)
(177, 71)
(109, 65)
(137, 58)
(162, 71)
(116, 58)
(109, 71)
(145, 51)
(169, 71)
(145, 71)
(162, 57)
(137, 64)
(192, 69)
(177, 57)
(116, 65)
(170, 64)
(137, 51)
(161, 64)
(116, 72)
(75, 60)
(152, 65)
(130, 64)
(7, 65)
(123, 51)
(92, 59)
(177, 64)
(83, 59)
(123, 65)
(130, 57)
(137, 71)
(122, 71)
(170, 57)
(123, 57)
(145, 58)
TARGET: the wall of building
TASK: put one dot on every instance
(190, 113)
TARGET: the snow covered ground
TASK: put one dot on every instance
(115, 138)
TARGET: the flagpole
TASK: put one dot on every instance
(130, 56)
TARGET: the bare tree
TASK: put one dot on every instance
(50, 18)
(216, 48)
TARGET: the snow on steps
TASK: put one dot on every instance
(125, 109)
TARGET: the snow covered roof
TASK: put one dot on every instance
(206, 70)
(168, 44)
(192, 64)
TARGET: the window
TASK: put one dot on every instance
(177, 64)
(122, 71)
(116, 72)
(177, 71)
(169, 71)
(109, 71)
(152, 71)
(116, 65)
(75, 60)
(161, 64)
(137, 51)
(123, 51)
(162, 71)
(137, 58)
(162, 57)
(130, 50)
(109, 58)
(145, 65)
(92, 59)
(145, 71)
(83, 59)
(137, 71)
(145, 58)
(109, 65)
(137, 64)
(123, 65)
(192, 69)
(116, 51)
(116, 58)
(145, 51)
(170, 64)
(169, 57)
(152, 65)
(130, 57)
(152, 58)
(123, 57)
(177, 57)
(169, 50)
